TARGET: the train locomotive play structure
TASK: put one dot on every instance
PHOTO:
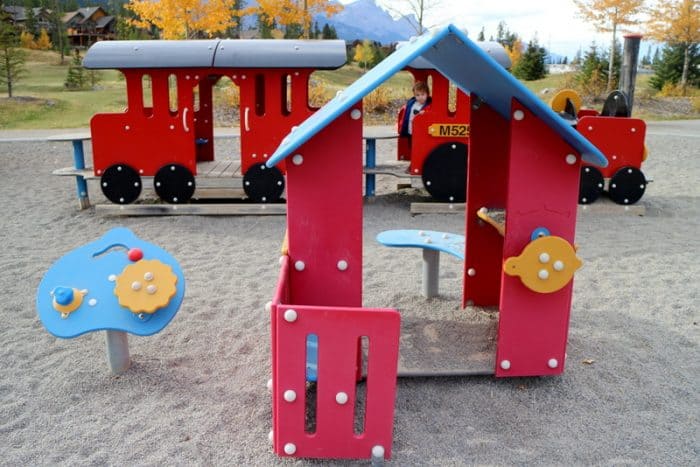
(169, 136)
(518, 252)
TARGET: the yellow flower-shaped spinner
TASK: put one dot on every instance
(145, 286)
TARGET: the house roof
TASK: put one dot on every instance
(104, 21)
(87, 12)
(465, 64)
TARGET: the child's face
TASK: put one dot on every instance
(421, 97)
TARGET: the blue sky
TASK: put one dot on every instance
(555, 22)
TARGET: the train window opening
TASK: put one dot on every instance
(195, 98)
(147, 94)
(452, 99)
(286, 94)
(260, 95)
(318, 91)
(172, 94)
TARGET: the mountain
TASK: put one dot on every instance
(364, 19)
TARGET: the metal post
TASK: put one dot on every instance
(431, 272)
(370, 163)
(628, 73)
(79, 162)
(117, 351)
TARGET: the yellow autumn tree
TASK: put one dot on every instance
(610, 16)
(44, 41)
(515, 52)
(26, 40)
(287, 13)
(364, 54)
(186, 19)
(676, 22)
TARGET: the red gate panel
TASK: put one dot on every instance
(339, 331)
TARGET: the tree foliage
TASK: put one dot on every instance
(76, 79)
(531, 65)
(185, 19)
(610, 16)
(294, 15)
(677, 22)
(366, 54)
(43, 42)
(12, 58)
(668, 71)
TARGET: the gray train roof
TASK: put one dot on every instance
(492, 49)
(228, 53)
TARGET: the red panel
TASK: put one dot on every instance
(587, 113)
(265, 117)
(542, 192)
(324, 216)
(620, 139)
(281, 296)
(144, 138)
(338, 331)
(487, 174)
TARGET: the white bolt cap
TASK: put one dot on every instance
(558, 265)
(571, 159)
(341, 398)
(268, 307)
(298, 159)
(505, 364)
(299, 265)
(471, 272)
(378, 451)
(342, 265)
(543, 274)
(552, 363)
(290, 395)
(136, 285)
(269, 384)
(290, 449)
(518, 115)
(148, 276)
(355, 114)
(544, 258)
(290, 316)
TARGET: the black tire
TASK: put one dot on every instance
(445, 172)
(121, 184)
(616, 105)
(591, 185)
(627, 185)
(174, 184)
(263, 184)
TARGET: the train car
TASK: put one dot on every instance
(619, 136)
(438, 148)
(166, 136)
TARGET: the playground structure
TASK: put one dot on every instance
(117, 284)
(273, 79)
(522, 264)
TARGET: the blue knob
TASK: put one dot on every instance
(63, 295)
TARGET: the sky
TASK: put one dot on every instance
(554, 22)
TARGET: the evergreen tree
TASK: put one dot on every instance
(531, 65)
(317, 31)
(646, 59)
(592, 76)
(669, 68)
(12, 58)
(565, 61)
(481, 37)
(329, 32)
(264, 27)
(30, 22)
(59, 37)
(657, 57)
(504, 36)
(76, 80)
(577, 58)
(293, 31)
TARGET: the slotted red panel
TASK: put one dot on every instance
(339, 331)
(620, 139)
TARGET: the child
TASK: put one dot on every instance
(415, 105)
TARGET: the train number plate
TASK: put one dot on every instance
(448, 130)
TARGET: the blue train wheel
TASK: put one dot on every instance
(590, 186)
(627, 185)
(263, 184)
(445, 172)
(174, 184)
(121, 184)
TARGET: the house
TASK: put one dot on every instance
(524, 161)
(88, 25)
(17, 16)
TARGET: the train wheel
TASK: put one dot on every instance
(263, 184)
(627, 185)
(616, 105)
(174, 184)
(591, 185)
(121, 184)
(445, 172)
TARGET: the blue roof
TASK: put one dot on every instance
(462, 62)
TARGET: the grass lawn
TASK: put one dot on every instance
(42, 101)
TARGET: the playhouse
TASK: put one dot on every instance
(524, 164)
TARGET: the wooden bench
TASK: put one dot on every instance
(432, 243)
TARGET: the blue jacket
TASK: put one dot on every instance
(407, 114)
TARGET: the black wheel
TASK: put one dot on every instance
(263, 184)
(445, 172)
(616, 105)
(590, 186)
(627, 185)
(174, 184)
(121, 184)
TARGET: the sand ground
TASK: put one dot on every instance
(196, 392)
